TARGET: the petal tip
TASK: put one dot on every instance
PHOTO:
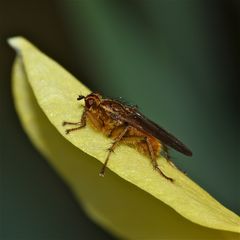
(15, 42)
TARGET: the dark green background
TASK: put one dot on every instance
(177, 60)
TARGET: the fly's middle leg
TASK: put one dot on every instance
(111, 149)
(138, 139)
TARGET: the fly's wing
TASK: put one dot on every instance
(139, 121)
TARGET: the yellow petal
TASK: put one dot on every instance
(132, 201)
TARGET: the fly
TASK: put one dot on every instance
(125, 124)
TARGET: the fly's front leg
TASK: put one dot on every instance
(154, 160)
(111, 149)
(81, 124)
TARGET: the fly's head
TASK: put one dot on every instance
(91, 101)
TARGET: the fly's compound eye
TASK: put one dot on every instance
(90, 102)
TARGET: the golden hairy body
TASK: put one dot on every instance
(104, 120)
(126, 125)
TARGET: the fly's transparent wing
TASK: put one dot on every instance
(139, 121)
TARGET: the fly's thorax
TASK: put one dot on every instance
(113, 107)
(109, 121)
(102, 120)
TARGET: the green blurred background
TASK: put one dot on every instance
(177, 60)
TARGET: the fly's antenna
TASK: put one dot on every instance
(80, 97)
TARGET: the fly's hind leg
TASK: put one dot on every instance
(154, 161)
(111, 149)
(81, 124)
(137, 139)
(164, 153)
